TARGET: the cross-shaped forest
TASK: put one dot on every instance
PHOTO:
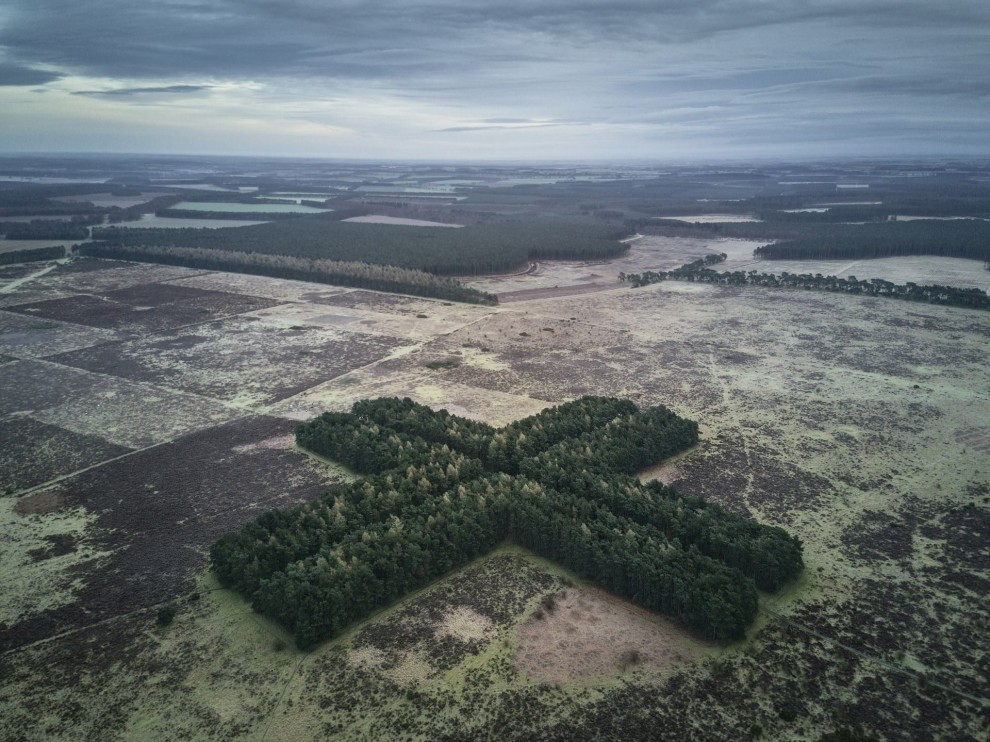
(441, 490)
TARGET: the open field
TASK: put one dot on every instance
(153, 221)
(154, 409)
(246, 208)
(108, 199)
(381, 219)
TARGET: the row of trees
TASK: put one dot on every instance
(441, 490)
(49, 229)
(339, 273)
(474, 249)
(32, 254)
(927, 293)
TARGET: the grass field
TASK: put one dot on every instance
(156, 406)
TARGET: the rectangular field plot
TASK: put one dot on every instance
(418, 326)
(26, 336)
(281, 289)
(87, 275)
(31, 386)
(241, 360)
(144, 308)
(34, 452)
(82, 276)
(135, 414)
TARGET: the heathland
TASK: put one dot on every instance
(150, 410)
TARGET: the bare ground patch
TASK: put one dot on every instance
(40, 503)
(590, 634)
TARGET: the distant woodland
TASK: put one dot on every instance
(699, 272)
(49, 229)
(31, 254)
(440, 490)
(961, 238)
(475, 249)
(809, 237)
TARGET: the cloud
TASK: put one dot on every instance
(13, 75)
(151, 90)
(416, 74)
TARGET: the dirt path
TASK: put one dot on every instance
(17, 283)
(556, 292)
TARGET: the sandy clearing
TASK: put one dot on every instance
(592, 634)
(463, 623)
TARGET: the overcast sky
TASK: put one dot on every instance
(513, 79)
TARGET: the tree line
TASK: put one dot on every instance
(32, 254)
(441, 490)
(339, 273)
(698, 272)
(50, 229)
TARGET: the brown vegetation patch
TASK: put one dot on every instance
(243, 358)
(978, 438)
(40, 503)
(30, 386)
(587, 633)
(145, 308)
(160, 509)
(33, 452)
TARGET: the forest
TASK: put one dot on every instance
(440, 490)
(335, 272)
(812, 236)
(956, 238)
(697, 271)
(474, 249)
(49, 229)
(32, 254)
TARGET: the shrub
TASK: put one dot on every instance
(165, 615)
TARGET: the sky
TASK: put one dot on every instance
(513, 79)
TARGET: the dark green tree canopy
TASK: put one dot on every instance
(441, 490)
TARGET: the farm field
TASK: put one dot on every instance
(225, 206)
(153, 221)
(154, 410)
(382, 219)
